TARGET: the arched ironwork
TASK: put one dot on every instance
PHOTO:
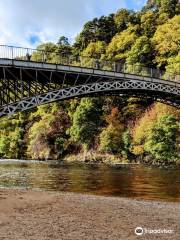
(25, 84)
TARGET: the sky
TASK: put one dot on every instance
(28, 23)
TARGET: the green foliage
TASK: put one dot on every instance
(166, 41)
(63, 50)
(11, 136)
(95, 50)
(163, 6)
(60, 145)
(127, 141)
(86, 120)
(140, 52)
(134, 126)
(173, 66)
(167, 6)
(134, 108)
(63, 41)
(48, 132)
(102, 29)
(148, 23)
(111, 136)
(123, 18)
(121, 44)
(44, 52)
(161, 138)
(111, 140)
(10, 145)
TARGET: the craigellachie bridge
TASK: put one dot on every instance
(28, 78)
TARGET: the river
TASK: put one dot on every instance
(133, 181)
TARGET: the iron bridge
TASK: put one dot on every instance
(29, 79)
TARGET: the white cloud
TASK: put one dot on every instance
(22, 20)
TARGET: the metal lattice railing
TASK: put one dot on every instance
(55, 57)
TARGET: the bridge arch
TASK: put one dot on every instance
(25, 84)
(152, 90)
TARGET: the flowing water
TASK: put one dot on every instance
(125, 181)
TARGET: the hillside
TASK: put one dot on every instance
(108, 129)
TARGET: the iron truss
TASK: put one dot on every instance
(157, 91)
(26, 84)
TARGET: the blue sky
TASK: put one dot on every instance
(30, 22)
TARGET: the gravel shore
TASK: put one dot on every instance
(35, 215)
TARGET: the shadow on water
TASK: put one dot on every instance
(129, 181)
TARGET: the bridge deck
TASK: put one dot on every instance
(26, 84)
(81, 70)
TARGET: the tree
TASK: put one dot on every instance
(140, 131)
(173, 67)
(85, 122)
(161, 139)
(95, 50)
(111, 136)
(115, 124)
(151, 5)
(121, 44)
(47, 135)
(148, 23)
(134, 108)
(102, 29)
(63, 51)
(45, 52)
(163, 6)
(106, 28)
(163, 18)
(126, 139)
(50, 52)
(167, 6)
(141, 52)
(64, 48)
(166, 41)
(63, 41)
(11, 136)
(123, 18)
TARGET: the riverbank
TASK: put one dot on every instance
(93, 157)
(106, 159)
(38, 215)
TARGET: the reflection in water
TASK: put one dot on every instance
(129, 181)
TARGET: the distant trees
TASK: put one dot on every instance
(64, 49)
(63, 41)
(44, 52)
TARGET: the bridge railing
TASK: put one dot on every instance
(55, 57)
